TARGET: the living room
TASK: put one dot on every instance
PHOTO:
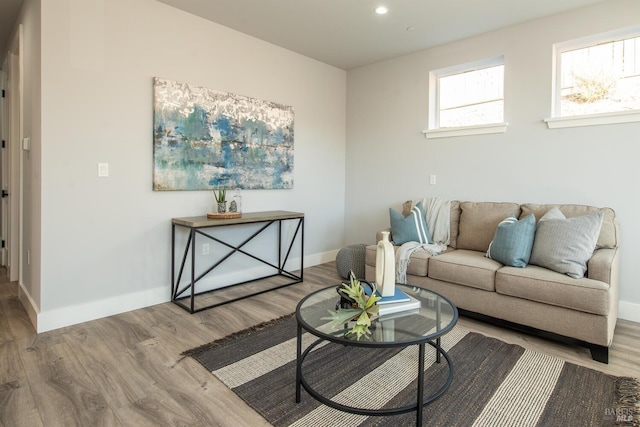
(343, 120)
(98, 247)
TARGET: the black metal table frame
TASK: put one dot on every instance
(177, 291)
(420, 400)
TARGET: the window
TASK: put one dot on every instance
(467, 95)
(598, 74)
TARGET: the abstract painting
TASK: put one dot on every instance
(205, 139)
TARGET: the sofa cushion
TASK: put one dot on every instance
(418, 263)
(513, 240)
(464, 267)
(542, 285)
(478, 222)
(455, 223)
(410, 228)
(608, 237)
(565, 244)
(407, 206)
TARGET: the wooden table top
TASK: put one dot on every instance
(247, 217)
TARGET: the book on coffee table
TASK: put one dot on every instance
(397, 297)
(387, 309)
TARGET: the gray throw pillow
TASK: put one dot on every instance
(565, 244)
(513, 240)
(412, 228)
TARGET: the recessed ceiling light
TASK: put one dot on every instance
(381, 10)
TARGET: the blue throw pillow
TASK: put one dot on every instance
(513, 241)
(412, 228)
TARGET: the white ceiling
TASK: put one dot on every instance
(348, 34)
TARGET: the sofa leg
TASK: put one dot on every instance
(599, 353)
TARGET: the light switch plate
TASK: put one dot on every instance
(103, 170)
(26, 144)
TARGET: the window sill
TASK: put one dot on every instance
(593, 119)
(464, 131)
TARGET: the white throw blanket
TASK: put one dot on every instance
(438, 220)
(438, 216)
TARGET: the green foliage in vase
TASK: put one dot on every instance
(361, 311)
(221, 195)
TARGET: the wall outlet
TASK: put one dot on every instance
(205, 249)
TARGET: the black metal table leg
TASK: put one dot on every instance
(419, 401)
(298, 363)
(280, 247)
(301, 228)
(438, 321)
(173, 262)
(193, 269)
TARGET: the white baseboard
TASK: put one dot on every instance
(629, 311)
(29, 305)
(65, 316)
(79, 313)
(320, 258)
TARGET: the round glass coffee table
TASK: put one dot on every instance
(421, 326)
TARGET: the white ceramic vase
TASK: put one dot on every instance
(385, 267)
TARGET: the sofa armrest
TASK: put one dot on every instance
(379, 234)
(604, 266)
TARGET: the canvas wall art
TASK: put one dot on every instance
(205, 139)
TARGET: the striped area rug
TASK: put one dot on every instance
(495, 383)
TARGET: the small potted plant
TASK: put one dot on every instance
(221, 199)
(363, 307)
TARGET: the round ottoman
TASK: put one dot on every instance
(351, 258)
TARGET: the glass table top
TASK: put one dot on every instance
(435, 317)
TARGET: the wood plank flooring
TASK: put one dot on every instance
(126, 370)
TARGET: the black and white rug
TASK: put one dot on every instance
(494, 384)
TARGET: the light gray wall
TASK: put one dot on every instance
(389, 160)
(106, 241)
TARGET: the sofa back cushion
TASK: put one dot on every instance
(608, 237)
(478, 223)
(455, 223)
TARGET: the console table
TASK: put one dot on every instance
(196, 226)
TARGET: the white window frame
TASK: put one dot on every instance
(435, 131)
(558, 121)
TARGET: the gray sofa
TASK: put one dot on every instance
(533, 299)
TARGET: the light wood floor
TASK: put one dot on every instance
(126, 370)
